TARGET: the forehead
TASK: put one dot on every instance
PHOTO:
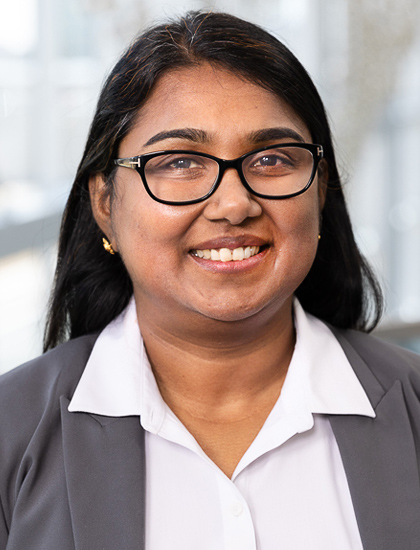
(222, 104)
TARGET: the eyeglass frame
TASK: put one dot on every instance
(139, 162)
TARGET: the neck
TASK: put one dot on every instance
(210, 367)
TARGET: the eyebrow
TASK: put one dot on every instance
(191, 134)
(200, 136)
(271, 134)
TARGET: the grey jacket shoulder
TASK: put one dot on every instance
(27, 390)
(387, 362)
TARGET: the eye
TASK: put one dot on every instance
(271, 160)
(268, 160)
(183, 163)
(176, 163)
(181, 166)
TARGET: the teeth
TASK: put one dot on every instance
(238, 254)
(227, 255)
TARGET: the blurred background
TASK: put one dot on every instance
(364, 57)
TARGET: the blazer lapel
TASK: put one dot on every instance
(104, 462)
(380, 461)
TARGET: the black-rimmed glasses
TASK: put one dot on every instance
(187, 177)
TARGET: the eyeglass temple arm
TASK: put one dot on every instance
(132, 162)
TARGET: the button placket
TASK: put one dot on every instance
(236, 508)
(238, 525)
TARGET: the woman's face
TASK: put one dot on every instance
(210, 110)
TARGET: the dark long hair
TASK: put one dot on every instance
(92, 287)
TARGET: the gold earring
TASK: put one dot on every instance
(108, 246)
(319, 236)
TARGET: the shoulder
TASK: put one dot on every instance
(65, 361)
(26, 392)
(387, 362)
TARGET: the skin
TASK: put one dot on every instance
(219, 338)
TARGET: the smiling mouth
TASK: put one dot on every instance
(226, 254)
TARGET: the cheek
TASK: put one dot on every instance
(298, 228)
(298, 218)
(147, 234)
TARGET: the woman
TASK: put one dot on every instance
(207, 277)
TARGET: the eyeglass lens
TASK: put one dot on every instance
(182, 177)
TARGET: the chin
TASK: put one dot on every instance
(246, 311)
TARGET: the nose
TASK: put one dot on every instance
(232, 201)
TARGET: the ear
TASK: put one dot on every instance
(322, 183)
(100, 200)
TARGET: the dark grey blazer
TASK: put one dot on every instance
(77, 481)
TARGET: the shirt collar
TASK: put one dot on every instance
(331, 384)
(118, 379)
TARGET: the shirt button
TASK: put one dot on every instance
(236, 509)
